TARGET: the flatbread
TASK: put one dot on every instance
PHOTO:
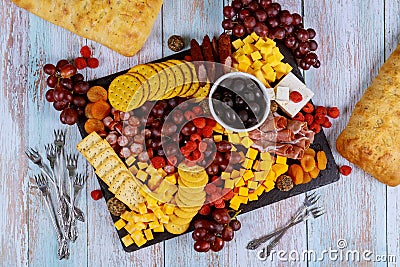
(372, 137)
(122, 25)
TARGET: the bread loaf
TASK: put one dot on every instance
(122, 25)
(371, 139)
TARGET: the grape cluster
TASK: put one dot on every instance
(213, 233)
(67, 90)
(267, 19)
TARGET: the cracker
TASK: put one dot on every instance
(124, 92)
(152, 77)
(97, 149)
(97, 160)
(107, 166)
(179, 79)
(88, 142)
(144, 87)
(110, 176)
(170, 77)
(163, 82)
(176, 229)
(129, 194)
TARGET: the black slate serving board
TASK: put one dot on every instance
(328, 176)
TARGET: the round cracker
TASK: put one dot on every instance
(170, 77)
(188, 184)
(181, 204)
(178, 220)
(145, 87)
(192, 201)
(152, 77)
(163, 82)
(124, 92)
(191, 190)
(176, 229)
(187, 74)
(195, 81)
(179, 79)
(195, 197)
(184, 214)
(202, 92)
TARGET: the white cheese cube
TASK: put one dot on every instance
(270, 93)
(282, 94)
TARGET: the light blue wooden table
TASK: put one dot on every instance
(355, 37)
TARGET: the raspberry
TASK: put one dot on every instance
(199, 122)
(172, 160)
(202, 146)
(309, 119)
(327, 123)
(219, 201)
(227, 194)
(220, 205)
(93, 62)
(158, 162)
(308, 108)
(96, 194)
(295, 96)
(210, 188)
(80, 63)
(345, 170)
(333, 112)
(299, 117)
(315, 127)
(197, 110)
(211, 122)
(207, 131)
(216, 180)
(196, 155)
(189, 115)
(205, 210)
(86, 52)
(321, 110)
(319, 118)
(195, 137)
(191, 146)
(185, 151)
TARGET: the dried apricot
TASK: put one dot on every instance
(100, 109)
(88, 111)
(314, 173)
(308, 163)
(93, 125)
(307, 178)
(97, 93)
(310, 151)
(321, 160)
(296, 173)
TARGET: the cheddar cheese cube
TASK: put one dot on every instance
(240, 183)
(138, 237)
(225, 175)
(260, 75)
(259, 190)
(247, 164)
(234, 138)
(229, 184)
(256, 55)
(142, 175)
(127, 240)
(130, 227)
(260, 43)
(142, 165)
(217, 138)
(281, 160)
(243, 199)
(248, 40)
(252, 153)
(243, 191)
(249, 48)
(141, 225)
(127, 215)
(245, 59)
(254, 36)
(159, 229)
(171, 178)
(129, 161)
(253, 197)
(280, 169)
(243, 134)
(237, 44)
(248, 175)
(235, 202)
(247, 142)
(265, 165)
(243, 66)
(259, 176)
(168, 209)
(265, 156)
(164, 219)
(120, 224)
(148, 234)
(271, 176)
(269, 185)
(252, 185)
(142, 208)
(154, 224)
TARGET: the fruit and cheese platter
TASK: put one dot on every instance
(190, 141)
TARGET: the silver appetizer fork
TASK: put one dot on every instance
(72, 164)
(312, 213)
(78, 184)
(309, 201)
(63, 250)
(35, 157)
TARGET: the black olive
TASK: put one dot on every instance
(239, 85)
(239, 101)
(217, 95)
(249, 96)
(228, 101)
(244, 116)
(254, 107)
(227, 93)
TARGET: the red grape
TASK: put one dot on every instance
(289, 29)
(261, 15)
(59, 94)
(298, 54)
(244, 13)
(249, 22)
(67, 83)
(69, 116)
(271, 11)
(265, 3)
(68, 96)
(218, 244)
(81, 87)
(68, 70)
(210, 237)
(79, 101)
(285, 17)
(317, 64)
(253, 6)
(52, 81)
(77, 78)
(221, 216)
(290, 42)
(273, 22)
(296, 19)
(313, 45)
(280, 33)
(227, 233)
(246, 2)
(304, 48)
(237, 5)
(311, 58)
(49, 95)
(49, 69)
(199, 234)
(202, 246)
(239, 30)
(235, 224)
(311, 33)
(304, 65)
(229, 12)
(61, 63)
(261, 29)
(60, 105)
(302, 35)
(227, 24)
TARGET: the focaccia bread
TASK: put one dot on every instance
(371, 139)
(121, 25)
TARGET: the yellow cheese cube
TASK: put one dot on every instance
(234, 138)
(127, 240)
(133, 170)
(130, 227)
(270, 41)
(252, 153)
(270, 76)
(269, 185)
(142, 165)
(164, 219)
(142, 175)
(225, 175)
(127, 215)
(154, 224)
(248, 175)
(265, 165)
(149, 217)
(260, 76)
(257, 64)
(279, 75)
(234, 148)
(243, 66)
(129, 161)
(245, 59)
(119, 224)
(235, 174)
(148, 234)
(253, 197)
(248, 40)
(243, 134)
(227, 131)
(277, 54)
(217, 138)
(235, 202)
(218, 128)
(259, 176)
(247, 164)
(158, 212)
(162, 172)
(138, 237)
(142, 208)
(229, 183)
(247, 142)
(249, 48)
(151, 202)
(255, 36)
(240, 183)
(280, 169)
(243, 191)
(239, 52)
(141, 225)
(281, 67)
(242, 171)
(259, 190)
(168, 209)
(256, 165)
(271, 176)
(243, 199)
(259, 44)
(159, 229)
(265, 156)
(281, 160)
(266, 51)
(171, 178)
(256, 55)
(237, 44)
(151, 170)
(252, 185)
(250, 70)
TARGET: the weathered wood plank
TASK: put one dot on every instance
(351, 56)
(14, 218)
(104, 244)
(392, 39)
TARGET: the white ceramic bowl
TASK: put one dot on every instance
(234, 75)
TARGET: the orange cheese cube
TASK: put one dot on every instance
(168, 209)
(159, 229)
(235, 202)
(249, 48)
(127, 215)
(248, 175)
(148, 234)
(171, 178)
(260, 43)
(248, 163)
(280, 160)
(164, 219)
(269, 185)
(280, 169)
(237, 44)
(130, 227)
(127, 240)
(138, 237)
(217, 138)
(142, 208)
(243, 199)
(120, 224)
(243, 191)
(162, 172)
(256, 55)
(253, 197)
(260, 75)
(271, 176)
(243, 66)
